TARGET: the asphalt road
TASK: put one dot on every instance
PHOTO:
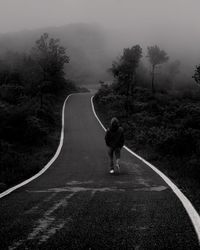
(77, 204)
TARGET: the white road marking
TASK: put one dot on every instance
(8, 191)
(193, 214)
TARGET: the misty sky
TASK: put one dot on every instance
(180, 15)
(170, 23)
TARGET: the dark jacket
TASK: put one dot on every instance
(114, 137)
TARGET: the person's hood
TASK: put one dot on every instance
(114, 125)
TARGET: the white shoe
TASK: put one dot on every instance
(112, 171)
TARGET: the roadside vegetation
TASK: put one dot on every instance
(161, 124)
(32, 90)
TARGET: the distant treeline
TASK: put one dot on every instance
(163, 126)
(130, 70)
(32, 89)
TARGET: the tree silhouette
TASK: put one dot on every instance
(156, 56)
(196, 75)
(124, 69)
(51, 57)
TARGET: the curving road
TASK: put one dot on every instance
(76, 204)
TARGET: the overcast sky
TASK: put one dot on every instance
(174, 23)
(181, 15)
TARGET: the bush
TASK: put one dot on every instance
(167, 126)
(35, 131)
(31, 97)
(11, 93)
(104, 91)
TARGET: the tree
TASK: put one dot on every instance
(196, 75)
(124, 69)
(51, 57)
(156, 56)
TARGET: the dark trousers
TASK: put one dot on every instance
(112, 152)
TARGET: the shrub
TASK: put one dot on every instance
(35, 130)
(11, 93)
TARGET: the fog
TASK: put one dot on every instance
(168, 22)
(172, 24)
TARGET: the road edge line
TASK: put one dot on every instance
(191, 211)
(10, 190)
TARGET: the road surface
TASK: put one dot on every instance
(77, 204)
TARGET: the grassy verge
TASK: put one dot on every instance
(163, 129)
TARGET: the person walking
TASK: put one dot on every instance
(114, 139)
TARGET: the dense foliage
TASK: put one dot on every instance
(32, 89)
(162, 126)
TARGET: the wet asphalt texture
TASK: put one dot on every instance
(77, 204)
